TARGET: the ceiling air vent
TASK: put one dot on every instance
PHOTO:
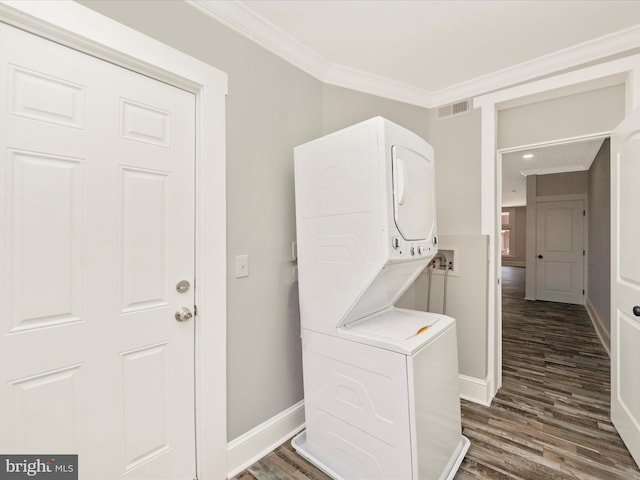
(453, 109)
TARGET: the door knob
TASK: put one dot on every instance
(183, 314)
(636, 311)
(539, 256)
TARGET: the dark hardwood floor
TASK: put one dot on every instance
(550, 419)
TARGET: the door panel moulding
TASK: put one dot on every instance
(81, 28)
(624, 70)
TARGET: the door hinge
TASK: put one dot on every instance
(584, 213)
(195, 313)
(584, 252)
(583, 292)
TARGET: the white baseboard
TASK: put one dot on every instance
(258, 442)
(598, 324)
(475, 390)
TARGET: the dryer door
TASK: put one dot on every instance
(413, 194)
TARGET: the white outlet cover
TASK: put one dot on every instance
(242, 266)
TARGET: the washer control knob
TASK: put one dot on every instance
(420, 249)
(413, 251)
(395, 242)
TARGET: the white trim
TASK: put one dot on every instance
(632, 90)
(246, 22)
(581, 54)
(259, 441)
(475, 390)
(365, 82)
(74, 25)
(596, 72)
(488, 220)
(560, 141)
(492, 103)
(250, 24)
(598, 324)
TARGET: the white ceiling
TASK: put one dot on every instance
(435, 44)
(559, 158)
(435, 52)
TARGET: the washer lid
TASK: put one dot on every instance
(397, 329)
(413, 194)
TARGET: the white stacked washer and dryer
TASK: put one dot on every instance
(380, 383)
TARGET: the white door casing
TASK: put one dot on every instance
(489, 106)
(72, 24)
(560, 251)
(625, 282)
(98, 197)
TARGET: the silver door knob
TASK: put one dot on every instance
(183, 314)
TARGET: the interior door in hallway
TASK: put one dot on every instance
(97, 201)
(560, 251)
(625, 282)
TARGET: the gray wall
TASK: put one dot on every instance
(466, 299)
(599, 260)
(271, 107)
(343, 107)
(595, 111)
(562, 183)
(456, 141)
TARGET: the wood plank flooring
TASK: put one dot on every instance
(550, 419)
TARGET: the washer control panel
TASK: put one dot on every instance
(402, 249)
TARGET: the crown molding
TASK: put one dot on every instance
(248, 23)
(365, 82)
(562, 60)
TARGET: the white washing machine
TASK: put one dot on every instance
(381, 383)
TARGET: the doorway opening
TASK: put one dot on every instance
(561, 188)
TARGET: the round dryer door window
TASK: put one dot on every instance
(413, 194)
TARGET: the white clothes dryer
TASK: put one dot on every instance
(381, 383)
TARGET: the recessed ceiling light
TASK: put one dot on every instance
(527, 155)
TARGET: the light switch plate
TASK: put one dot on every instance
(242, 266)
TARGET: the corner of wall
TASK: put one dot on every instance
(259, 441)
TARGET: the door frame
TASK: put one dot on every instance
(624, 71)
(79, 27)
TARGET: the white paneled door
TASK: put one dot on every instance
(97, 208)
(560, 251)
(625, 282)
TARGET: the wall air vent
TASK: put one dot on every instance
(454, 109)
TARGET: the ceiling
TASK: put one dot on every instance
(433, 52)
(435, 44)
(558, 158)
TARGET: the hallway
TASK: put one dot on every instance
(550, 419)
